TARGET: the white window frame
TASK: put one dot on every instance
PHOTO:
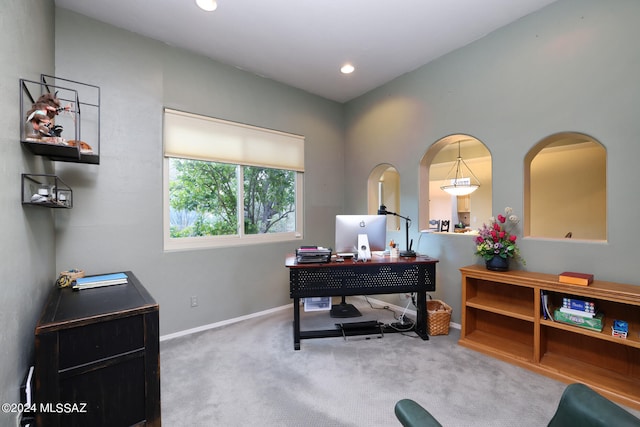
(206, 242)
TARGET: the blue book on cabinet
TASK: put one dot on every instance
(102, 280)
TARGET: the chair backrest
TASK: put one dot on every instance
(444, 225)
(578, 406)
(581, 406)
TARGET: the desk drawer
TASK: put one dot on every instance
(89, 343)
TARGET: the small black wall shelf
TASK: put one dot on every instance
(46, 190)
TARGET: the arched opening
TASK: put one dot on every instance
(566, 188)
(383, 188)
(463, 212)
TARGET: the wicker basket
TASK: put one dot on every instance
(438, 316)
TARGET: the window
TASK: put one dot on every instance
(228, 184)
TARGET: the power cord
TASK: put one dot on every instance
(403, 324)
(386, 307)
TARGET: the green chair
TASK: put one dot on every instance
(579, 406)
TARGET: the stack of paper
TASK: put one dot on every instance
(99, 281)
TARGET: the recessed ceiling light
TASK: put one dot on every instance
(347, 69)
(208, 5)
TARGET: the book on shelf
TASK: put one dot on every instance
(575, 278)
(592, 323)
(99, 281)
(578, 312)
(544, 303)
(578, 304)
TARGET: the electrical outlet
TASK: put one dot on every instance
(194, 301)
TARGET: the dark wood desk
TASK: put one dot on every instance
(380, 275)
(98, 349)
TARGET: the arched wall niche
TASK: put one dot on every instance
(565, 178)
(383, 188)
(436, 163)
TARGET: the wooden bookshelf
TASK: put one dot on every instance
(501, 317)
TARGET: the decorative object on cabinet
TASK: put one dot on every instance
(68, 278)
(58, 115)
(501, 317)
(575, 278)
(99, 348)
(497, 263)
(620, 329)
(444, 225)
(46, 190)
(73, 273)
(498, 239)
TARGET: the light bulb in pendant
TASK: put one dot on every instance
(207, 5)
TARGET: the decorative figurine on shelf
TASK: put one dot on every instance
(40, 117)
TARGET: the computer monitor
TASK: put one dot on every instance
(348, 228)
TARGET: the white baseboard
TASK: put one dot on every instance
(222, 323)
(274, 310)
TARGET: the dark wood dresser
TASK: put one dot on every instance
(97, 360)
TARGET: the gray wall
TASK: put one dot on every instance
(27, 250)
(116, 221)
(573, 66)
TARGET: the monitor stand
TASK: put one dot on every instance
(344, 310)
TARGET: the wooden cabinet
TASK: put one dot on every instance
(501, 317)
(464, 203)
(97, 357)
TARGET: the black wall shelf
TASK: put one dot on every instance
(79, 141)
(46, 190)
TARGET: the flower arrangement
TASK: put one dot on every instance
(498, 239)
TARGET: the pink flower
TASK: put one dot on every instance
(496, 238)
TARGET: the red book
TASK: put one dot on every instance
(573, 278)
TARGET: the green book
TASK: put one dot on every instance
(593, 323)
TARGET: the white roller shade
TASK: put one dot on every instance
(198, 137)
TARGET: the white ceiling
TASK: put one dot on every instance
(303, 43)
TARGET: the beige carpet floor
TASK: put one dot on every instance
(248, 374)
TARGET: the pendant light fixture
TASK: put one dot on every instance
(207, 5)
(456, 183)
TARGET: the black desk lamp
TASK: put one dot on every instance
(382, 210)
